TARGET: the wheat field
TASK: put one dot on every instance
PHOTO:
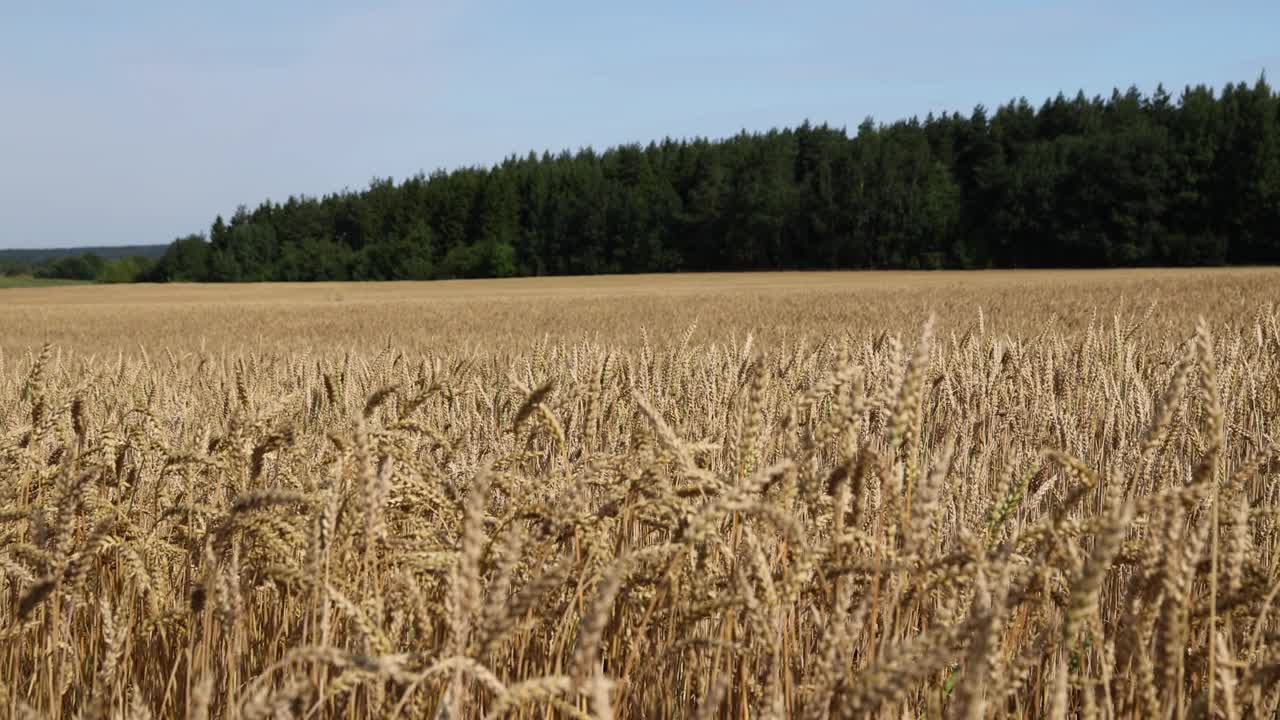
(960, 495)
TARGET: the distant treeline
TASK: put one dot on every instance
(112, 265)
(1119, 181)
(106, 252)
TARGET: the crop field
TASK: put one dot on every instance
(970, 495)
(24, 281)
(496, 317)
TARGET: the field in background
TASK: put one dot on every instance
(1057, 498)
(22, 281)
(508, 315)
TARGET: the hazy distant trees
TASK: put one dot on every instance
(1117, 181)
(86, 266)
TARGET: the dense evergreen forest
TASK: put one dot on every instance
(1119, 181)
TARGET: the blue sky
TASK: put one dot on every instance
(136, 122)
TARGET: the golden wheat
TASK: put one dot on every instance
(987, 514)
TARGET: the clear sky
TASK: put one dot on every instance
(136, 122)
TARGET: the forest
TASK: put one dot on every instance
(1126, 180)
(102, 265)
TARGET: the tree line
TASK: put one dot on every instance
(89, 266)
(1125, 180)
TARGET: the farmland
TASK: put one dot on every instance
(23, 281)
(981, 494)
(503, 316)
